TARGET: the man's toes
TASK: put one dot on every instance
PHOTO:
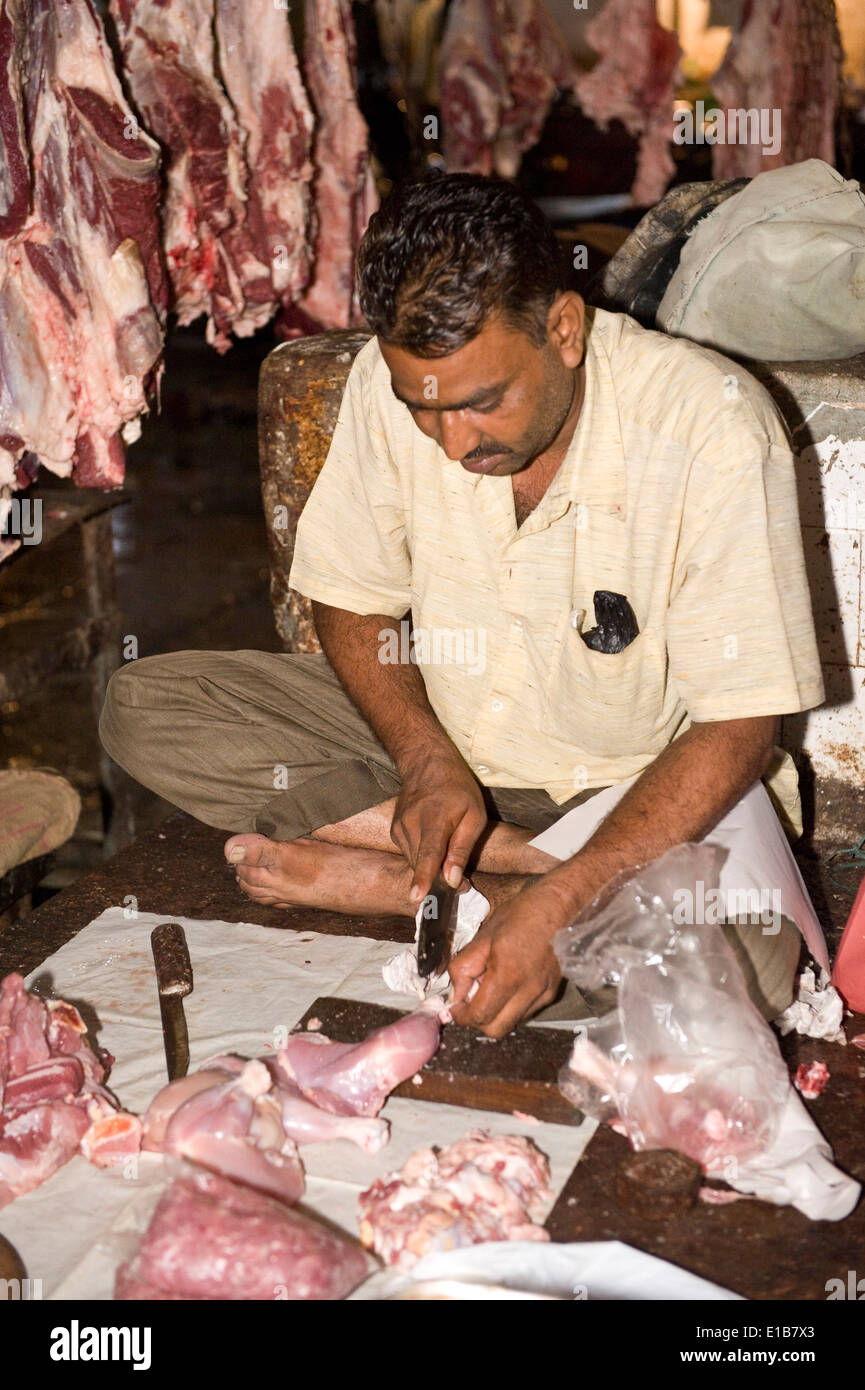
(251, 877)
(249, 850)
(264, 896)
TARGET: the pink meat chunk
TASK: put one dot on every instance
(482, 1188)
(786, 57)
(210, 1238)
(35, 1142)
(810, 1078)
(356, 1078)
(53, 1101)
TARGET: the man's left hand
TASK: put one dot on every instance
(512, 959)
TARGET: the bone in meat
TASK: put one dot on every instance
(301, 1121)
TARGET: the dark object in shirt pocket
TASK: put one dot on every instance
(616, 625)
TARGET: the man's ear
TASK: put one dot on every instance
(566, 327)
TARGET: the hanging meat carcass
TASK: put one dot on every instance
(262, 78)
(785, 55)
(82, 291)
(232, 242)
(501, 64)
(345, 195)
(634, 81)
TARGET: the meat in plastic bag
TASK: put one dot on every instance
(685, 1060)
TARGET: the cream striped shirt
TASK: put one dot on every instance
(677, 491)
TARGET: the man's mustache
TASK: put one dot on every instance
(477, 454)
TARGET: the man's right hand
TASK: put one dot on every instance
(439, 817)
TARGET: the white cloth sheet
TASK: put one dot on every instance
(251, 985)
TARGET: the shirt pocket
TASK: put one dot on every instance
(608, 703)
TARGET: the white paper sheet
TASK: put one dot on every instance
(251, 985)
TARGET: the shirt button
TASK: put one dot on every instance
(481, 768)
(497, 706)
(576, 616)
(518, 623)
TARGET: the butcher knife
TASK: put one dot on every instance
(437, 925)
(174, 981)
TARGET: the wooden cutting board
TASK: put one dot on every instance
(518, 1073)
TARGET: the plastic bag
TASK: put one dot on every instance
(685, 1060)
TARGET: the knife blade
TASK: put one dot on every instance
(174, 982)
(437, 925)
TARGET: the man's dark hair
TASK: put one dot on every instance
(448, 252)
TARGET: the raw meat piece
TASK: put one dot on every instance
(302, 1122)
(52, 1098)
(243, 1118)
(501, 63)
(634, 81)
(262, 79)
(80, 263)
(213, 1239)
(231, 1124)
(356, 1078)
(810, 1079)
(344, 189)
(113, 1136)
(784, 55)
(168, 1101)
(235, 1129)
(308, 1124)
(510, 1158)
(482, 1188)
(35, 1142)
(671, 1109)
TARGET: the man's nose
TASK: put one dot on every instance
(456, 435)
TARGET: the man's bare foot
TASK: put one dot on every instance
(310, 873)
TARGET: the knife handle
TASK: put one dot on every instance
(171, 958)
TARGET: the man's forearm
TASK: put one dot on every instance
(390, 695)
(681, 796)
